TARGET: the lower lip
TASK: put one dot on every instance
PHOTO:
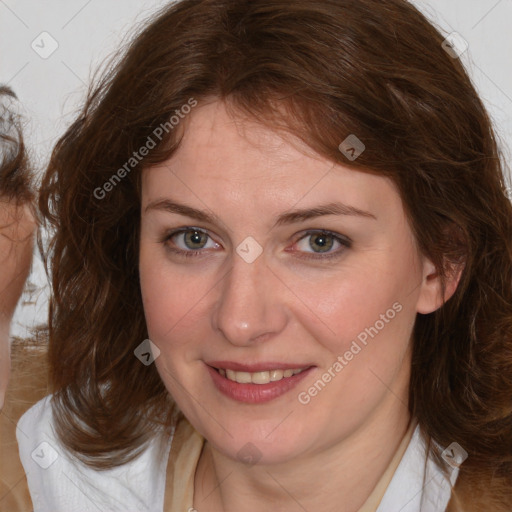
(255, 393)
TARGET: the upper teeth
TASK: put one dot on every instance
(258, 377)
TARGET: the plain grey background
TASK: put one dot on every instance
(50, 49)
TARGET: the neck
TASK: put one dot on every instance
(336, 478)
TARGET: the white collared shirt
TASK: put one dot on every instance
(58, 482)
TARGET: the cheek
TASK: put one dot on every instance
(344, 305)
(364, 333)
(172, 301)
(365, 330)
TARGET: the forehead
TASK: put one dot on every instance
(229, 159)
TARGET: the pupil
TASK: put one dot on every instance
(322, 242)
(194, 238)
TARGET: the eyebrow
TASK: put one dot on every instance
(293, 216)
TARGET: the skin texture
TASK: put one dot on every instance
(17, 227)
(328, 454)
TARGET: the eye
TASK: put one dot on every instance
(316, 244)
(322, 244)
(189, 241)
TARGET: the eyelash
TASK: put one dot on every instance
(345, 242)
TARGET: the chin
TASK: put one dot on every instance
(268, 441)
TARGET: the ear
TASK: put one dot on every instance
(430, 298)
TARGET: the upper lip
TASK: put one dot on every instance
(256, 367)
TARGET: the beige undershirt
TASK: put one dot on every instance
(186, 448)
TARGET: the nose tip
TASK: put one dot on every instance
(248, 308)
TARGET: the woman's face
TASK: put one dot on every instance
(258, 256)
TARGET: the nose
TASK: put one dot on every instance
(249, 308)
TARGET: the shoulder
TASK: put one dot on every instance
(58, 481)
(35, 418)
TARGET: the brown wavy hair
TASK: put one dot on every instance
(374, 68)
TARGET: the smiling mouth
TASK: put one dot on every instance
(256, 383)
(262, 377)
